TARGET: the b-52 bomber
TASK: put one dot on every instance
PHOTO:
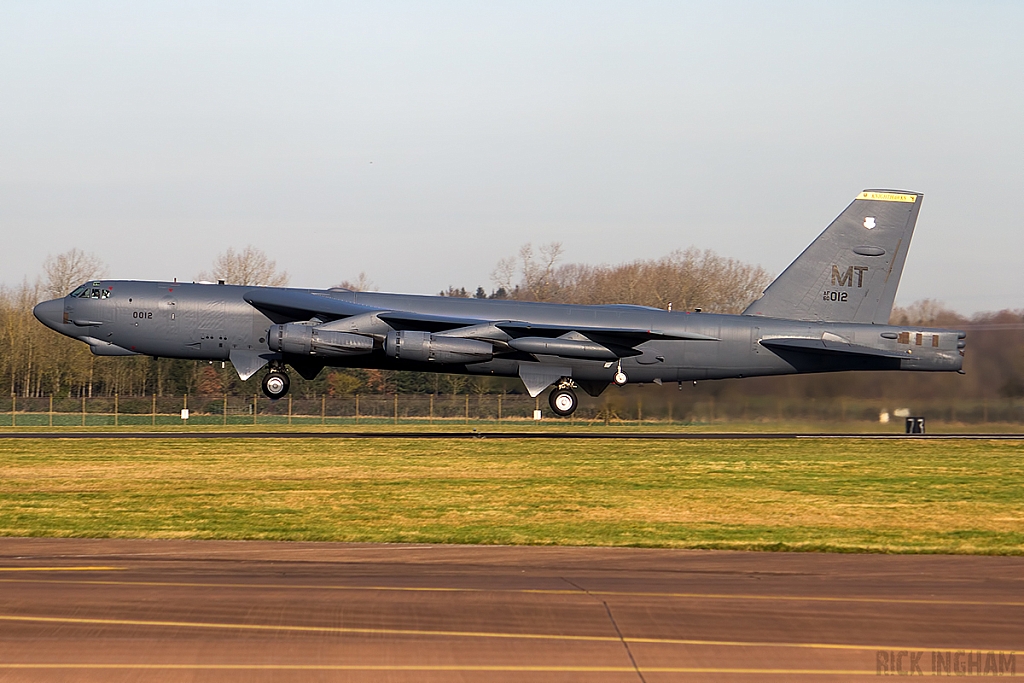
(827, 312)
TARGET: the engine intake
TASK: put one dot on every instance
(308, 340)
(432, 348)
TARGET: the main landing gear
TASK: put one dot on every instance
(563, 400)
(276, 383)
(620, 378)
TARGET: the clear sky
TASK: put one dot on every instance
(421, 142)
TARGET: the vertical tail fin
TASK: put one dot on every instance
(851, 272)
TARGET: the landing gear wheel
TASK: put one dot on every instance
(563, 401)
(620, 378)
(275, 384)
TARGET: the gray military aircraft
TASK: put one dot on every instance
(827, 312)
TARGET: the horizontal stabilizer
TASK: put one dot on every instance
(828, 346)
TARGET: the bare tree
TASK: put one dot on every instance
(685, 279)
(251, 266)
(361, 284)
(66, 271)
(504, 274)
(927, 313)
(537, 270)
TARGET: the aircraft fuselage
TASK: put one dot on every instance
(827, 312)
(214, 322)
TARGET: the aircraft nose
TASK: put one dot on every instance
(50, 313)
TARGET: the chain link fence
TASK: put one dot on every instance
(611, 408)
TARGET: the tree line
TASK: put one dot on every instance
(36, 361)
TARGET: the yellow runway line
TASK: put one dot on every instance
(61, 569)
(457, 667)
(527, 591)
(459, 634)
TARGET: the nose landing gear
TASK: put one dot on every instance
(276, 384)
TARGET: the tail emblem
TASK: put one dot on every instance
(869, 222)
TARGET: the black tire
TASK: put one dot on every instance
(275, 385)
(563, 402)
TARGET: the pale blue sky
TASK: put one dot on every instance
(422, 142)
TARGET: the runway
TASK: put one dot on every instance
(657, 436)
(130, 610)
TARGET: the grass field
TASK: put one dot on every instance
(38, 423)
(848, 495)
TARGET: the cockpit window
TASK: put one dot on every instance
(85, 292)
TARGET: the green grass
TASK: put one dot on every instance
(168, 423)
(834, 495)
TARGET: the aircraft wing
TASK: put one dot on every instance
(404, 320)
(584, 342)
(286, 305)
(290, 305)
(825, 345)
(566, 340)
(622, 335)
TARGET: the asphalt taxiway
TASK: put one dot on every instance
(155, 610)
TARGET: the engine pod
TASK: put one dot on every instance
(425, 347)
(308, 340)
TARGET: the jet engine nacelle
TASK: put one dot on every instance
(308, 340)
(427, 347)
